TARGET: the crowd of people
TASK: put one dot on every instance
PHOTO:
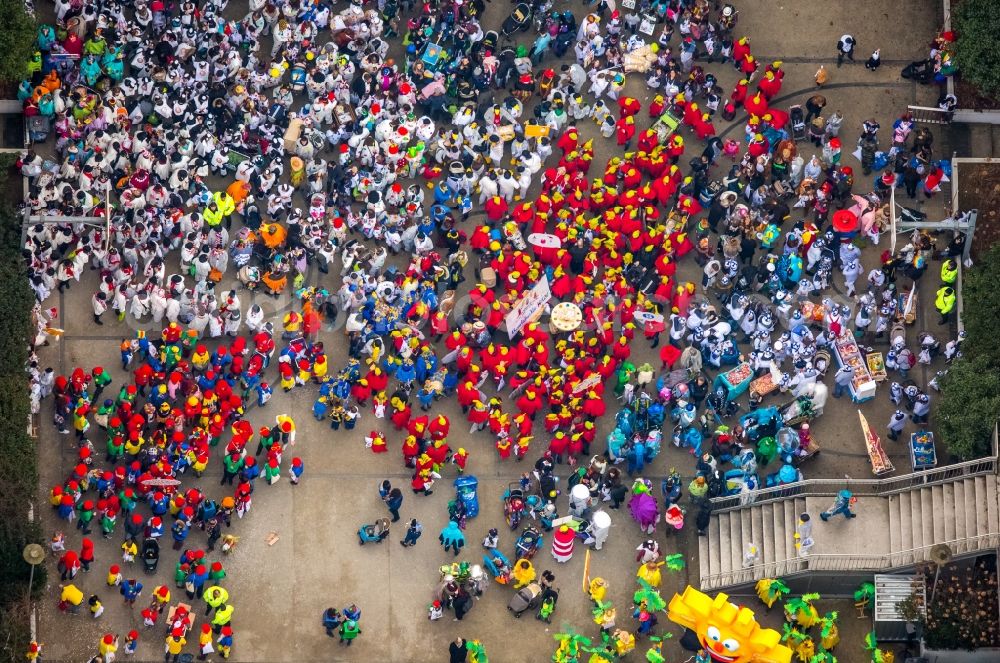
(259, 146)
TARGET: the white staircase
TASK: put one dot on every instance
(891, 530)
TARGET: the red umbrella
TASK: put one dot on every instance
(845, 221)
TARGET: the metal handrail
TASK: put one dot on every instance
(848, 562)
(859, 487)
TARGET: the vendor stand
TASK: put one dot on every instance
(876, 453)
(849, 354)
(923, 456)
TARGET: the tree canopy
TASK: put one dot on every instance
(970, 401)
(17, 40)
(977, 24)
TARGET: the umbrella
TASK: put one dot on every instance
(845, 221)
(643, 509)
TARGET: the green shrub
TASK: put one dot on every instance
(18, 458)
(977, 23)
(970, 394)
(17, 40)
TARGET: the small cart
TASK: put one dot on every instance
(876, 366)
(922, 453)
(760, 388)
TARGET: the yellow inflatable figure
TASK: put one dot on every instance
(524, 573)
(728, 633)
(598, 590)
(650, 572)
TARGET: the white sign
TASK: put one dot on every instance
(592, 380)
(529, 306)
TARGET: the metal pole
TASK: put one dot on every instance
(970, 231)
(107, 214)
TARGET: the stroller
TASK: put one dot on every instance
(513, 505)
(518, 21)
(150, 555)
(498, 566)
(528, 543)
(526, 598)
(298, 77)
(921, 71)
(376, 532)
(39, 127)
(797, 120)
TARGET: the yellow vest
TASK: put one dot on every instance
(222, 616)
(945, 301)
(948, 275)
(212, 217)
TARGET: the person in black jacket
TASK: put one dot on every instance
(457, 652)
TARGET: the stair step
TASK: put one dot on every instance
(735, 541)
(948, 512)
(992, 508)
(927, 519)
(757, 531)
(746, 535)
(940, 514)
(916, 519)
(704, 545)
(916, 527)
(725, 543)
(895, 534)
(791, 522)
(958, 514)
(982, 526)
(781, 534)
(767, 533)
(714, 565)
(971, 519)
(905, 522)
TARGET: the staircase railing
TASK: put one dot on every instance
(860, 487)
(827, 562)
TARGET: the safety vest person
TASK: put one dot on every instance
(949, 272)
(212, 214)
(945, 303)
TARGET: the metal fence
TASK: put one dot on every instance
(860, 487)
(865, 487)
(841, 563)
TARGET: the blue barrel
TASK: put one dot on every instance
(465, 492)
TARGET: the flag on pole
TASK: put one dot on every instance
(876, 454)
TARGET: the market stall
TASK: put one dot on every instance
(849, 354)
